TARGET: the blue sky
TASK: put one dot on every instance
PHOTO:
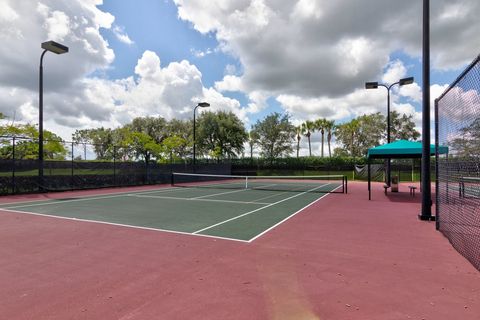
(308, 58)
(155, 26)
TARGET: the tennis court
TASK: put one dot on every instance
(229, 207)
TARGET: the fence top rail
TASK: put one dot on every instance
(17, 137)
(460, 77)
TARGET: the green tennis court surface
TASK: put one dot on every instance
(237, 214)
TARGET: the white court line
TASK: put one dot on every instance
(86, 199)
(278, 194)
(280, 222)
(253, 211)
(217, 194)
(196, 199)
(93, 197)
(122, 225)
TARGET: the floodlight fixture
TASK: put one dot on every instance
(54, 47)
(371, 85)
(405, 81)
(203, 105)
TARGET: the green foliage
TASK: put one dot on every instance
(102, 140)
(298, 135)
(276, 134)
(348, 136)
(368, 131)
(467, 144)
(27, 147)
(402, 127)
(220, 134)
(320, 126)
(253, 138)
(174, 147)
(330, 126)
(156, 128)
(360, 134)
(144, 146)
(307, 127)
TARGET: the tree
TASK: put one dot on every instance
(298, 133)
(252, 141)
(102, 140)
(276, 134)
(467, 143)
(222, 133)
(347, 134)
(27, 146)
(330, 127)
(121, 141)
(361, 133)
(156, 128)
(181, 129)
(320, 125)
(173, 147)
(144, 146)
(402, 128)
(82, 137)
(307, 128)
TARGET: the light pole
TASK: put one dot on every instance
(201, 105)
(374, 85)
(57, 48)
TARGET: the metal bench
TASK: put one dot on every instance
(412, 190)
(386, 186)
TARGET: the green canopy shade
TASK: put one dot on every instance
(402, 149)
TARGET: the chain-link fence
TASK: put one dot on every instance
(71, 166)
(457, 126)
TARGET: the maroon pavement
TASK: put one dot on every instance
(343, 258)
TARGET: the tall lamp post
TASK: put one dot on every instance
(201, 105)
(57, 48)
(374, 85)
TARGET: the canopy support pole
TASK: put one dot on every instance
(369, 185)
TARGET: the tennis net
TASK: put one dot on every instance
(322, 184)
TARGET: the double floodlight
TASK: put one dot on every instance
(401, 82)
(54, 47)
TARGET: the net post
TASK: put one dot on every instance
(346, 184)
(171, 179)
(246, 182)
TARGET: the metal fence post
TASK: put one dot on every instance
(71, 180)
(114, 164)
(437, 182)
(13, 166)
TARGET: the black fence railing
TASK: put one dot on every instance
(457, 125)
(71, 166)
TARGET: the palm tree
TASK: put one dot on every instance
(330, 127)
(320, 125)
(298, 130)
(307, 128)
